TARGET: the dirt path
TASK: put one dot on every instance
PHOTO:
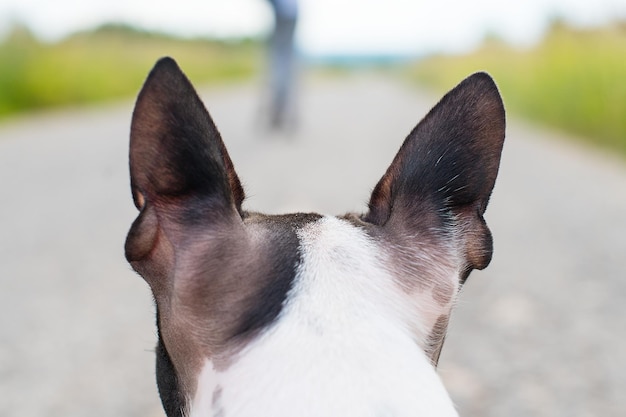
(542, 332)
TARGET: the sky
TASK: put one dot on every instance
(326, 27)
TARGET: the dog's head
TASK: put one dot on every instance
(320, 311)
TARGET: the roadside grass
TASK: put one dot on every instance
(109, 62)
(574, 80)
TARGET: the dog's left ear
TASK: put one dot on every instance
(448, 166)
(180, 171)
(175, 148)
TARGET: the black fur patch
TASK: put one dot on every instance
(283, 260)
(167, 380)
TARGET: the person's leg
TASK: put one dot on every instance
(282, 68)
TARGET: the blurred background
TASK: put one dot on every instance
(312, 115)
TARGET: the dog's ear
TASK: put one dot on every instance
(180, 171)
(447, 166)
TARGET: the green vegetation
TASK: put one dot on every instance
(574, 80)
(109, 62)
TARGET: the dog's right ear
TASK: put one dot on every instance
(441, 179)
(181, 174)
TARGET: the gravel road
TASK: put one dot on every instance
(541, 332)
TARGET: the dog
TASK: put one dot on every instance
(305, 314)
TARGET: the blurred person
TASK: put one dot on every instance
(282, 65)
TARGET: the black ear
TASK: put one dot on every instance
(443, 175)
(179, 167)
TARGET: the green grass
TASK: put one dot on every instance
(109, 62)
(574, 80)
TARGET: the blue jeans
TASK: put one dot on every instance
(282, 68)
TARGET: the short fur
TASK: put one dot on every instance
(305, 314)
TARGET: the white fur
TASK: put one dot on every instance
(345, 344)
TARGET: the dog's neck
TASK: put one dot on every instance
(350, 340)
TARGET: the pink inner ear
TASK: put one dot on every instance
(381, 200)
(140, 200)
(233, 179)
